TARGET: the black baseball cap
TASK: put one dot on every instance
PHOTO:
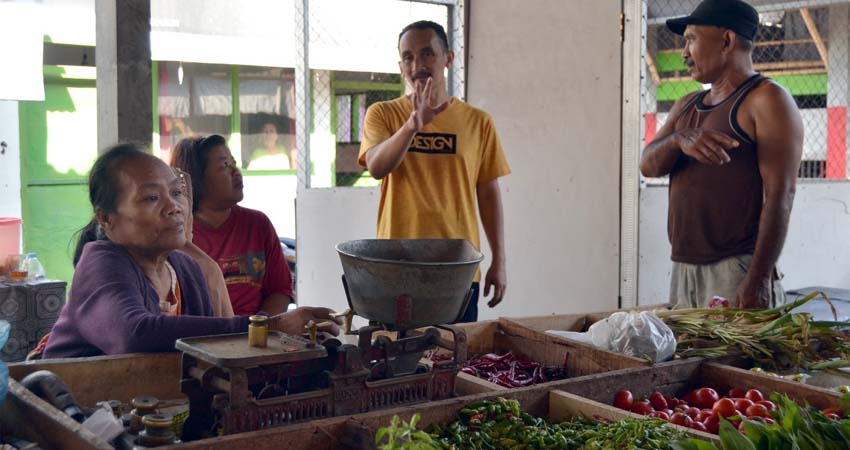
(734, 15)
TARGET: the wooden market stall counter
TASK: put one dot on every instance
(124, 377)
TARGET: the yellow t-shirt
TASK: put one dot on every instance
(432, 194)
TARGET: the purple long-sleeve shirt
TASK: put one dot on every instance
(113, 308)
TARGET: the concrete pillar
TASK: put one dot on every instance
(837, 91)
(123, 60)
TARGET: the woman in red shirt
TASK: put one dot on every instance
(242, 241)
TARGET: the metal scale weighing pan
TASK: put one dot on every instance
(408, 283)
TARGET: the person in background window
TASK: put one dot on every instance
(272, 156)
(242, 241)
(133, 290)
(732, 153)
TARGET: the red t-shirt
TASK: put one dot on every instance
(247, 249)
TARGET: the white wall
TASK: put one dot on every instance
(562, 139)
(560, 128)
(326, 217)
(274, 195)
(816, 252)
(10, 163)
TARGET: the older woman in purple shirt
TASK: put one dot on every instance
(132, 290)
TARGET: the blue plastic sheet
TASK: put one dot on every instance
(4, 370)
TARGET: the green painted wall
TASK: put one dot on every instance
(796, 84)
(58, 146)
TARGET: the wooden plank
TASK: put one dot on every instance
(112, 377)
(504, 336)
(755, 44)
(669, 378)
(26, 416)
(479, 335)
(358, 432)
(566, 406)
(677, 378)
(563, 322)
(745, 379)
(813, 31)
(466, 384)
(653, 71)
(584, 359)
(575, 322)
(597, 316)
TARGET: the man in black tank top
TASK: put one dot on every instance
(732, 153)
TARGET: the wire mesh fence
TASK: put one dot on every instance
(802, 45)
(350, 58)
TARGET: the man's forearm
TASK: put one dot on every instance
(388, 155)
(660, 156)
(773, 227)
(275, 304)
(492, 218)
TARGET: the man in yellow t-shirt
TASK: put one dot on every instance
(436, 155)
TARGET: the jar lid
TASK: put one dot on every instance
(258, 319)
(145, 402)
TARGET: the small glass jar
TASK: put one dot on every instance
(258, 331)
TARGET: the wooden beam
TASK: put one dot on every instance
(760, 44)
(768, 73)
(813, 31)
(653, 71)
(783, 65)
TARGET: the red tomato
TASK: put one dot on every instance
(836, 411)
(642, 407)
(699, 426)
(736, 393)
(661, 415)
(754, 395)
(657, 400)
(767, 404)
(624, 400)
(689, 399)
(724, 408)
(681, 419)
(704, 414)
(768, 420)
(705, 398)
(669, 412)
(691, 412)
(712, 424)
(742, 404)
(833, 416)
(757, 410)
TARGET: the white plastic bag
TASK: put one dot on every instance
(103, 423)
(637, 334)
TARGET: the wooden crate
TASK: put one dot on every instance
(124, 377)
(677, 378)
(502, 335)
(555, 405)
(90, 380)
(574, 322)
